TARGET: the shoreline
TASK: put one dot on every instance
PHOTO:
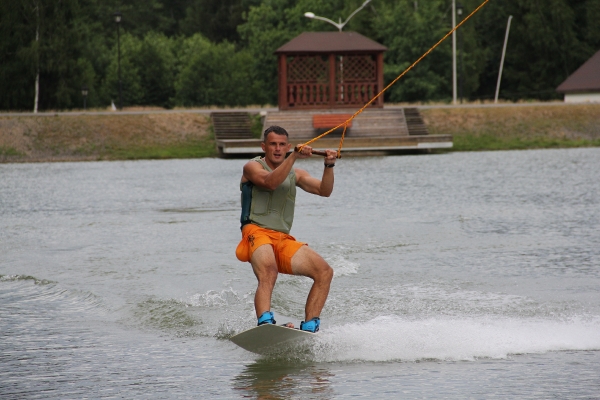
(163, 134)
(517, 128)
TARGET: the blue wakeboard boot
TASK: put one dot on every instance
(266, 318)
(311, 326)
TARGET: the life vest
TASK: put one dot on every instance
(271, 209)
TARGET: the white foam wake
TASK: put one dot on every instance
(342, 267)
(394, 338)
(214, 298)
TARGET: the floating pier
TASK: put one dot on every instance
(374, 131)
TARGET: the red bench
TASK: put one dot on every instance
(328, 121)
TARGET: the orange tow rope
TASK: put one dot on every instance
(345, 124)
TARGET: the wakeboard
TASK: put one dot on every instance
(264, 338)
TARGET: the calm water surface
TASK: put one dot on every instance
(461, 275)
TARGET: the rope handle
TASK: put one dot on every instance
(317, 152)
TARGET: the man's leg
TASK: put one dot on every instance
(265, 268)
(308, 263)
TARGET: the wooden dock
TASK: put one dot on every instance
(374, 131)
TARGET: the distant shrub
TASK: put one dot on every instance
(212, 74)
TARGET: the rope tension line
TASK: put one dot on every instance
(345, 124)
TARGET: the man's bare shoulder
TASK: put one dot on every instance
(254, 161)
(253, 171)
(252, 165)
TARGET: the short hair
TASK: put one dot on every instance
(275, 129)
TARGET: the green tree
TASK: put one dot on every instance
(212, 74)
(409, 31)
(216, 20)
(264, 31)
(64, 44)
(46, 48)
(155, 64)
(147, 71)
(143, 16)
(591, 33)
(18, 66)
(544, 47)
(131, 83)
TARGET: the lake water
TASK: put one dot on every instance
(458, 275)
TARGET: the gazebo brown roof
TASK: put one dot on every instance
(585, 79)
(329, 70)
(328, 42)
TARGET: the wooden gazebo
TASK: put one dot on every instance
(326, 70)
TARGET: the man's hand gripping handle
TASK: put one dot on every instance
(317, 152)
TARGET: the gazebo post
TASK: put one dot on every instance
(332, 82)
(283, 86)
(379, 78)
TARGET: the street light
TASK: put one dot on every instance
(117, 16)
(84, 93)
(454, 52)
(459, 12)
(339, 25)
(502, 60)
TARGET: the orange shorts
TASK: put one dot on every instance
(284, 246)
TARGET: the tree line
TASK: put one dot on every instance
(184, 53)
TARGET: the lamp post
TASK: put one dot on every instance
(454, 52)
(502, 60)
(459, 12)
(117, 16)
(84, 93)
(341, 24)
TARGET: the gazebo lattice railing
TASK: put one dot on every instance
(320, 70)
(308, 82)
(356, 79)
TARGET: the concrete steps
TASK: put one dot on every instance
(231, 125)
(370, 123)
(414, 122)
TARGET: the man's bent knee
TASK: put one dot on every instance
(266, 274)
(323, 273)
(328, 273)
(264, 264)
(309, 263)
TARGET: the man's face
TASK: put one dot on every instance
(276, 147)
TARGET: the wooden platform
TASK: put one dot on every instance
(372, 132)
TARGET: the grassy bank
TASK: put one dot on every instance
(188, 135)
(517, 127)
(105, 137)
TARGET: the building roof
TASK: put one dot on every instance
(331, 42)
(585, 79)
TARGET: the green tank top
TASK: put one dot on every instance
(271, 209)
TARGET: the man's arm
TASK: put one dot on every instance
(256, 174)
(310, 184)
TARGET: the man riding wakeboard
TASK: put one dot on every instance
(268, 188)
